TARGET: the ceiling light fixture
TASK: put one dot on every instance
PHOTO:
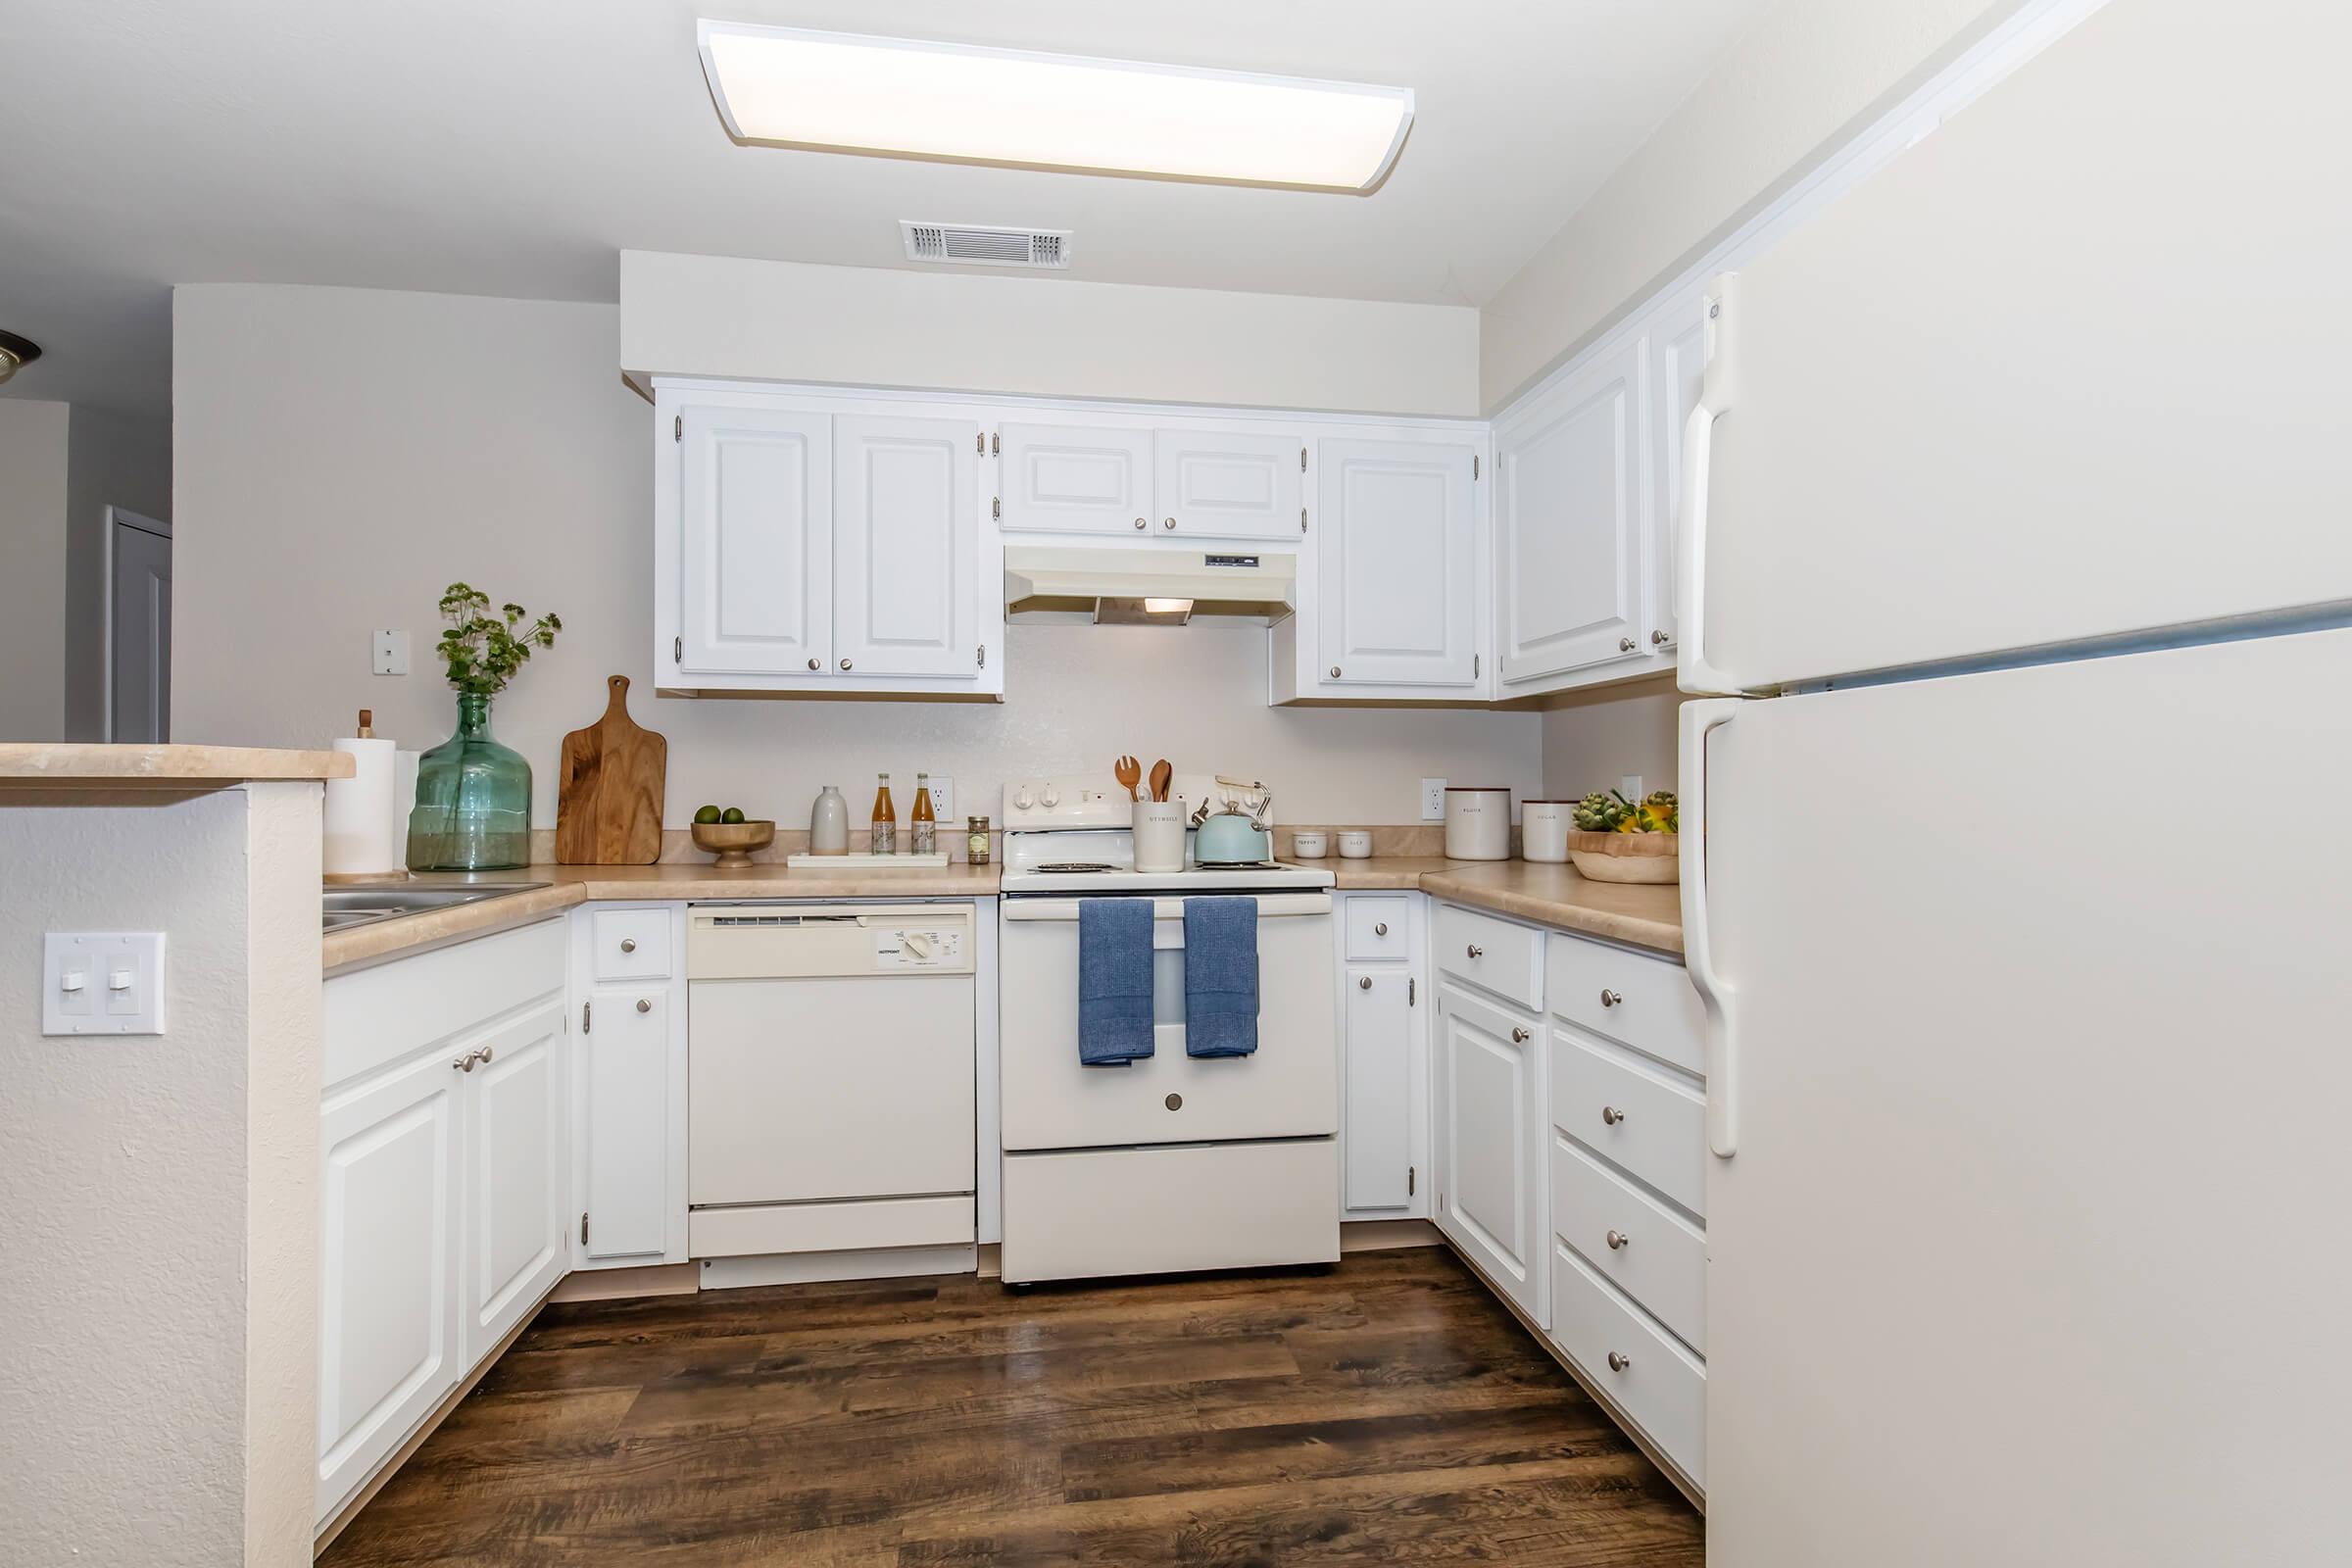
(853, 93)
(15, 353)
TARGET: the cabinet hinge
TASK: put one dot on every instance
(1410, 1177)
(1302, 459)
(677, 650)
(584, 1007)
(1413, 992)
(583, 1229)
(1477, 663)
(677, 427)
(980, 441)
(1302, 520)
(1472, 464)
(995, 508)
(983, 656)
(995, 450)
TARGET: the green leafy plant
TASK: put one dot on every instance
(484, 651)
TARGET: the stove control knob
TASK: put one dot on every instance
(1052, 797)
(1025, 799)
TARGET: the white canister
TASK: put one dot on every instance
(1311, 845)
(1478, 823)
(1544, 830)
(1355, 845)
(1158, 836)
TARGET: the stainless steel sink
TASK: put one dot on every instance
(343, 908)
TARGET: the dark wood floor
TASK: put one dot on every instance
(1386, 1410)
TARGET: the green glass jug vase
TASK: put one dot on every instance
(473, 800)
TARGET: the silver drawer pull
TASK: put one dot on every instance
(1610, 999)
(1619, 1241)
(1365, 984)
(1619, 1360)
(1610, 1115)
(629, 944)
(1141, 523)
(643, 1005)
(484, 1054)
(1381, 930)
(463, 1063)
(1475, 951)
(1518, 1035)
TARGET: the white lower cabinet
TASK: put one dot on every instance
(1384, 1060)
(443, 1148)
(1492, 1184)
(629, 1160)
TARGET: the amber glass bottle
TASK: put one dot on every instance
(886, 819)
(922, 827)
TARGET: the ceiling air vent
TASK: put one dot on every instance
(971, 245)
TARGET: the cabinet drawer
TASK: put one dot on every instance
(1648, 1004)
(1633, 1116)
(1493, 954)
(1377, 926)
(629, 944)
(1631, 1240)
(1660, 1384)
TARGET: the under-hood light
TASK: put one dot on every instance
(853, 93)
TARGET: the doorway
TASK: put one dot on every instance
(138, 630)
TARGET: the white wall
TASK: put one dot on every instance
(1772, 107)
(1056, 336)
(34, 445)
(115, 460)
(353, 451)
(131, 1427)
(1601, 737)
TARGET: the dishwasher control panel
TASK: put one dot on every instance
(918, 946)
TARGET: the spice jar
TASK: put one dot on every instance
(975, 842)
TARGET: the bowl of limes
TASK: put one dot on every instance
(724, 831)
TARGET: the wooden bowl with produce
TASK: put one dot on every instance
(1617, 839)
(730, 836)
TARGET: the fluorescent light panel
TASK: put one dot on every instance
(1008, 106)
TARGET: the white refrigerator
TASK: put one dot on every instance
(2018, 877)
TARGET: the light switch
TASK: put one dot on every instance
(390, 653)
(1433, 800)
(943, 798)
(102, 983)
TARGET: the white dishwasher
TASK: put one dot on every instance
(830, 1062)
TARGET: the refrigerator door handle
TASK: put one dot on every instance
(1699, 720)
(1717, 393)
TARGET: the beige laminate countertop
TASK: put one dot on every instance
(73, 764)
(1547, 895)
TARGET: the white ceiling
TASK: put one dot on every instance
(511, 147)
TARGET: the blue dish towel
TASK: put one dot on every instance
(1114, 981)
(1220, 977)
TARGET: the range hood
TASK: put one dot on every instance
(1155, 587)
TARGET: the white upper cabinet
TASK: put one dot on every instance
(1677, 365)
(1570, 569)
(756, 569)
(906, 598)
(1397, 593)
(1069, 478)
(1228, 484)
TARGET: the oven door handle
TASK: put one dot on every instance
(1270, 905)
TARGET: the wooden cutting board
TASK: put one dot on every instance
(609, 789)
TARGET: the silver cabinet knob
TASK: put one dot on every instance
(817, 663)
(1475, 951)
(644, 1005)
(1334, 673)
(1626, 645)
(1619, 1360)
(1658, 639)
(1518, 1036)
(1610, 1115)
(463, 1063)
(1609, 998)
(1170, 524)
(1141, 523)
(1365, 984)
(484, 1053)
(1381, 929)
(1618, 1241)
(845, 664)
(629, 944)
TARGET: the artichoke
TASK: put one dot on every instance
(1600, 814)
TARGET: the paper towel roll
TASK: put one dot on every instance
(360, 837)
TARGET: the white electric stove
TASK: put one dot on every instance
(1071, 835)
(1171, 1162)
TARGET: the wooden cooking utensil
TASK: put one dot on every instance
(1128, 771)
(609, 789)
(1161, 773)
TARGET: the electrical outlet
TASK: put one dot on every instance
(1433, 800)
(388, 651)
(1629, 787)
(943, 796)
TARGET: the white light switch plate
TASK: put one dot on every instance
(943, 798)
(389, 652)
(1433, 800)
(102, 983)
